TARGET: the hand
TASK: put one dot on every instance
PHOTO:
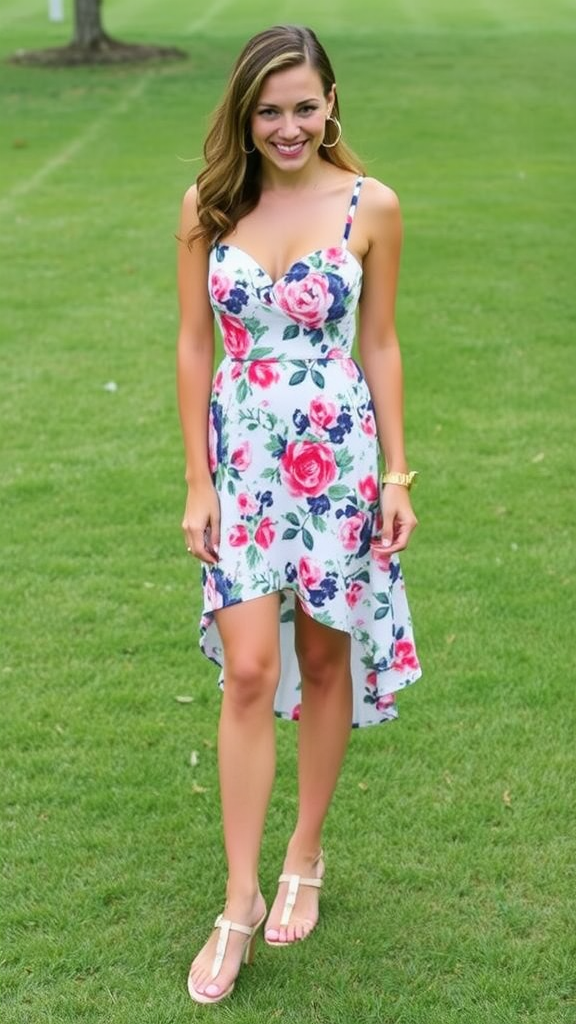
(201, 523)
(398, 519)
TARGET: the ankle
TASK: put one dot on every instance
(307, 849)
(242, 895)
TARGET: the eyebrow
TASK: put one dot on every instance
(313, 99)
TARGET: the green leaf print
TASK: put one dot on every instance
(337, 491)
(315, 260)
(319, 524)
(344, 461)
(324, 617)
(252, 555)
(260, 352)
(307, 539)
(255, 327)
(381, 613)
(292, 518)
(383, 598)
(297, 377)
(318, 378)
(290, 533)
(292, 331)
(242, 390)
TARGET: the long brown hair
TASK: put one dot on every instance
(229, 184)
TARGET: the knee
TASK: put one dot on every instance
(319, 665)
(250, 679)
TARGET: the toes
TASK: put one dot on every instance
(272, 934)
(212, 991)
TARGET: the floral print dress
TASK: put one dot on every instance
(294, 457)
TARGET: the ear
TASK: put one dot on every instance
(331, 99)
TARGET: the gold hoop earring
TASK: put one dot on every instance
(248, 151)
(330, 145)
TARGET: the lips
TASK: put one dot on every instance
(291, 150)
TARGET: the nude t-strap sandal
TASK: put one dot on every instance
(226, 927)
(294, 883)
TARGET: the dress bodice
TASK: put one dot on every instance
(308, 313)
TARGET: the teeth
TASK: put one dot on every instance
(289, 149)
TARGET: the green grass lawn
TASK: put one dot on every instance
(451, 845)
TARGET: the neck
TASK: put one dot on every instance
(309, 178)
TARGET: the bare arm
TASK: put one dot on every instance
(380, 355)
(195, 360)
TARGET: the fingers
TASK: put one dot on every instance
(201, 544)
(395, 535)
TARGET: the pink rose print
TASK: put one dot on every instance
(214, 598)
(263, 372)
(242, 456)
(307, 301)
(296, 713)
(235, 371)
(371, 679)
(238, 536)
(348, 364)
(368, 424)
(379, 555)
(237, 341)
(350, 530)
(353, 594)
(322, 413)
(404, 655)
(265, 533)
(307, 468)
(335, 255)
(309, 572)
(247, 505)
(220, 286)
(217, 383)
(368, 488)
(212, 452)
(351, 369)
(386, 701)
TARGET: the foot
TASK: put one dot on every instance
(303, 917)
(247, 912)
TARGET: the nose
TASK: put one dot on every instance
(289, 129)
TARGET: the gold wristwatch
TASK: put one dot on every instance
(403, 479)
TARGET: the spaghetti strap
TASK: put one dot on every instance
(351, 211)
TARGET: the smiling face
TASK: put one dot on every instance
(289, 120)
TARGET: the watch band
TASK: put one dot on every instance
(403, 479)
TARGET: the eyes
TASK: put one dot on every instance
(305, 110)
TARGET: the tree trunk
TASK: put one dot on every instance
(88, 30)
(92, 45)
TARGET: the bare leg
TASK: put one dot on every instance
(246, 752)
(325, 722)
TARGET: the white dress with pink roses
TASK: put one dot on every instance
(294, 457)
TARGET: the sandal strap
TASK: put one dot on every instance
(294, 883)
(226, 926)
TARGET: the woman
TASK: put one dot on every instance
(304, 605)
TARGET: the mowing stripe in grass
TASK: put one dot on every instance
(74, 147)
(209, 15)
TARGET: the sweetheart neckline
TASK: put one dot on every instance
(301, 259)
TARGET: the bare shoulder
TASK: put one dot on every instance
(379, 215)
(379, 200)
(190, 208)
